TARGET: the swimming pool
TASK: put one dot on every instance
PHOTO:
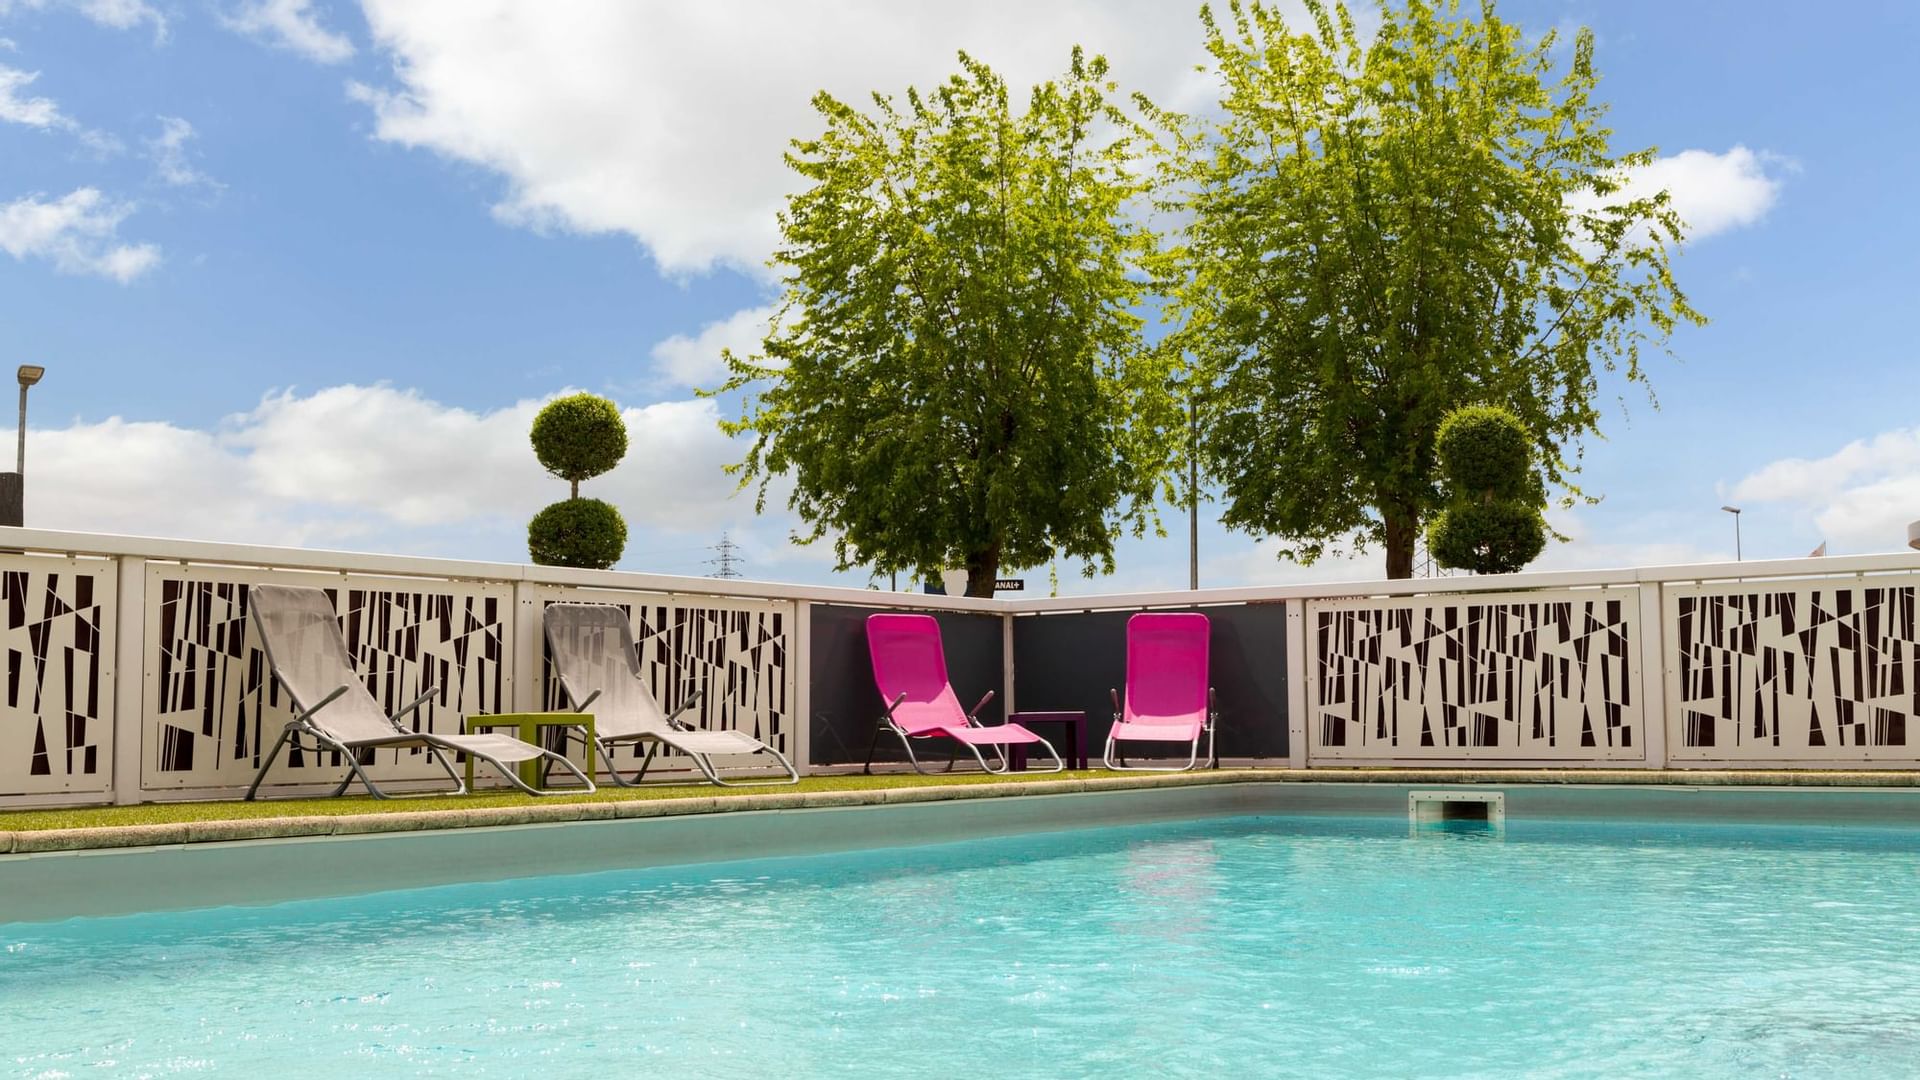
(1233, 946)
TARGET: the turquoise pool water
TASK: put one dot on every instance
(1232, 947)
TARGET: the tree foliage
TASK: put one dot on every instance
(586, 533)
(1384, 231)
(578, 437)
(957, 375)
(1490, 522)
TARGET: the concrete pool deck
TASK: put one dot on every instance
(395, 817)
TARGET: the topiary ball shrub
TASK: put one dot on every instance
(1491, 523)
(585, 533)
(578, 437)
(1497, 537)
(1485, 452)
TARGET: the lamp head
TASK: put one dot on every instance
(30, 374)
(1731, 509)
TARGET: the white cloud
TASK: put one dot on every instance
(171, 160)
(388, 469)
(1256, 561)
(113, 14)
(667, 122)
(1712, 193)
(695, 361)
(77, 233)
(1597, 540)
(119, 14)
(1860, 497)
(144, 478)
(15, 108)
(398, 455)
(290, 24)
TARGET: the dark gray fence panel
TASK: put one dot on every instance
(845, 704)
(1070, 661)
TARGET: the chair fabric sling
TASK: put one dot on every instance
(308, 655)
(910, 671)
(599, 671)
(1168, 699)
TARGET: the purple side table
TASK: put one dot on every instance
(1074, 753)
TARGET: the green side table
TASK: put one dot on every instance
(530, 724)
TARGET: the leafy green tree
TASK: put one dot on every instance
(576, 438)
(1384, 231)
(957, 376)
(1490, 522)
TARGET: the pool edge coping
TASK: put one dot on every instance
(106, 837)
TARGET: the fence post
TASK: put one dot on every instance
(527, 648)
(799, 662)
(1006, 664)
(1653, 673)
(1297, 675)
(129, 678)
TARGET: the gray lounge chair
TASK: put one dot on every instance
(593, 653)
(308, 655)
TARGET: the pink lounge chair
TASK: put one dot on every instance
(910, 668)
(1168, 699)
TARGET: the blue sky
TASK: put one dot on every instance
(300, 271)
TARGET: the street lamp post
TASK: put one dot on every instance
(13, 485)
(28, 375)
(1735, 511)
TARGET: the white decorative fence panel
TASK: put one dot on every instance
(132, 672)
(56, 708)
(1823, 671)
(212, 706)
(1535, 676)
(737, 651)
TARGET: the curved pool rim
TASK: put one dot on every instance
(53, 885)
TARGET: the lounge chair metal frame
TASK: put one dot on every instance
(700, 761)
(581, 699)
(1193, 756)
(440, 749)
(973, 721)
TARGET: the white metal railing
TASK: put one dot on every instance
(150, 683)
(1751, 570)
(111, 695)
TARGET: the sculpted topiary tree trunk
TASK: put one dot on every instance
(1384, 231)
(958, 376)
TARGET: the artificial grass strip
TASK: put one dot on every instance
(89, 817)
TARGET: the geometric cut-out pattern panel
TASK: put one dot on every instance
(1520, 676)
(56, 714)
(212, 704)
(735, 651)
(1795, 671)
